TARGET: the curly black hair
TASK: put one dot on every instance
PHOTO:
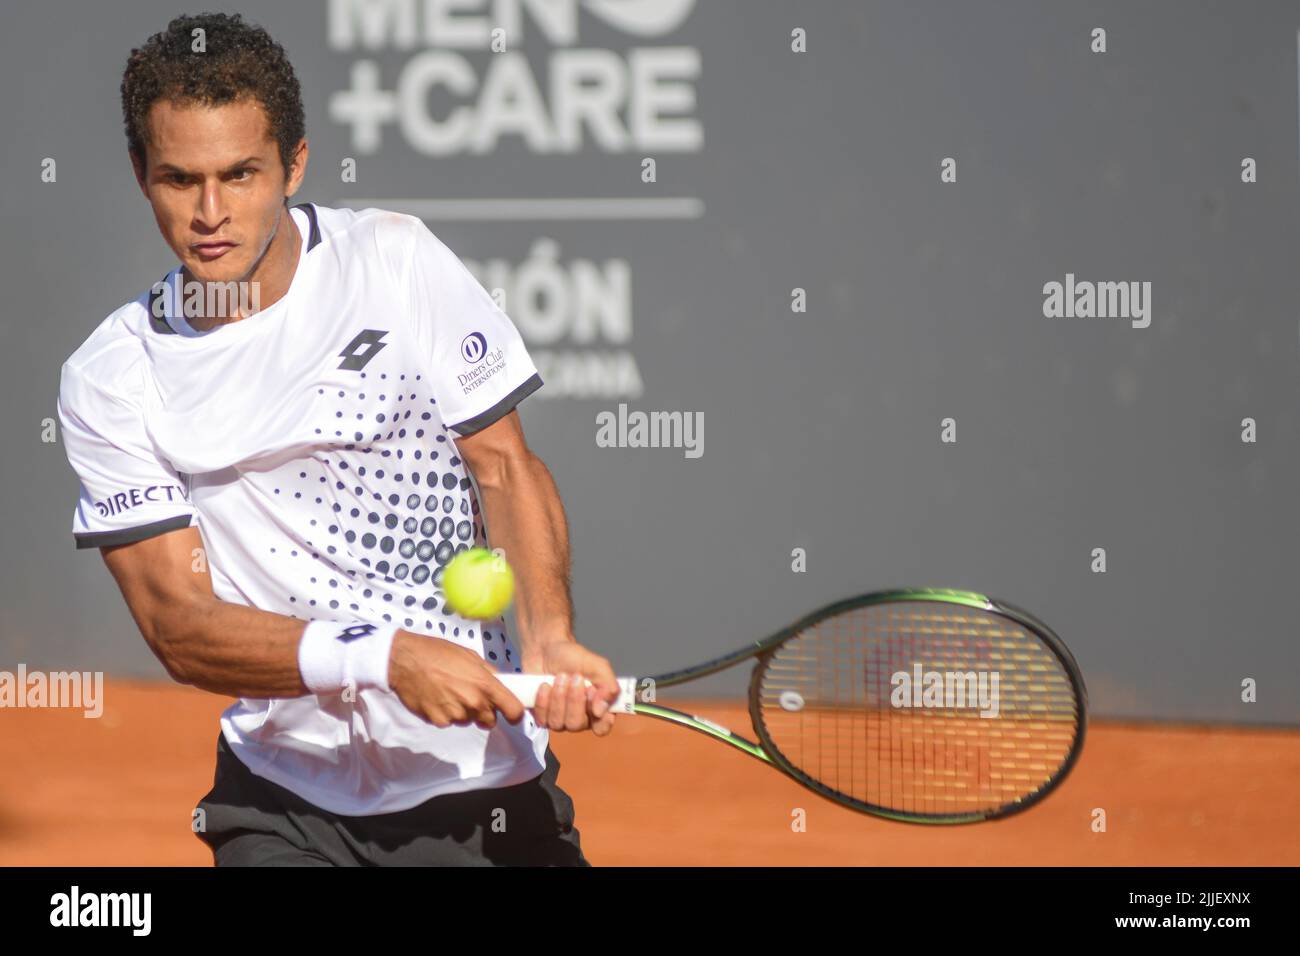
(239, 59)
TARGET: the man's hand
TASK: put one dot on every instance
(447, 684)
(571, 704)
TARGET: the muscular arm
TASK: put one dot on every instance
(241, 651)
(200, 639)
(525, 518)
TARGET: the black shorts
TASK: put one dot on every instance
(249, 821)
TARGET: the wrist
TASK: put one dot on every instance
(401, 659)
(544, 632)
(534, 646)
(338, 656)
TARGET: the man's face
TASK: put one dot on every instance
(216, 184)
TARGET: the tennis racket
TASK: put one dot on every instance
(920, 705)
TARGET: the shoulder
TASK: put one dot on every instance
(379, 229)
(110, 363)
(395, 237)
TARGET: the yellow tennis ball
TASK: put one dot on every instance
(478, 584)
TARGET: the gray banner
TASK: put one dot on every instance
(843, 265)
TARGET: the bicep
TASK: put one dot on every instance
(160, 577)
(489, 452)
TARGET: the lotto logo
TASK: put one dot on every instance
(362, 349)
(355, 631)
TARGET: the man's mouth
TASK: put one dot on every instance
(208, 251)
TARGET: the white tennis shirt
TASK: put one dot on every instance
(314, 446)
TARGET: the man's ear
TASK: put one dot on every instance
(297, 169)
(137, 166)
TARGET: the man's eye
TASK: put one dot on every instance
(241, 174)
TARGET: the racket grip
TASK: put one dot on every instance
(525, 687)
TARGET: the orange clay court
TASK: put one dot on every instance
(119, 790)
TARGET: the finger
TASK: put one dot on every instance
(576, 711)
(596, 703)
(605, 677)
(500, 698)
(603, 726)
(542, 705)
(606, 686)
(559, 702)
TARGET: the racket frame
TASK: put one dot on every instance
(767, 751)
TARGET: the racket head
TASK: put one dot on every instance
(917, 764)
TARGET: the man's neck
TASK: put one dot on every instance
(265, 284)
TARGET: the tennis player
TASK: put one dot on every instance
(277, 483)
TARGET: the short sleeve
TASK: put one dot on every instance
(127, 493)
(478, 365)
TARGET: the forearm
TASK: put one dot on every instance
(230, 649)
(525, 519)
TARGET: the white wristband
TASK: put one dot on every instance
(334, 655)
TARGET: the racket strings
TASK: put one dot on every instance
(920, 707)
